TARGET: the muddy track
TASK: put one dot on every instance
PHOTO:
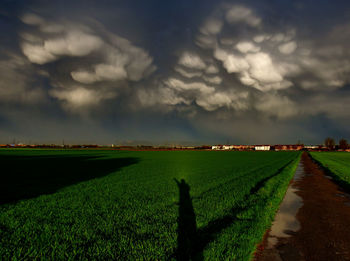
(324, 221)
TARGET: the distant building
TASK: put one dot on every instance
(243, 147)
(289, 147)
(204, 147)
(232, 147)
(262, 147)
(311, 147)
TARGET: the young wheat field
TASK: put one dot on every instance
(153, 205)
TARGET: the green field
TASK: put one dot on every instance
(337, 163)
(155, 205)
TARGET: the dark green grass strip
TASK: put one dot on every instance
(337, 164)
(247, 223)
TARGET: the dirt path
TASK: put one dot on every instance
(324, 221)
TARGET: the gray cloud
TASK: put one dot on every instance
(191, 61)
(245, 47)
(287, 48)
(79, 99)
(266, 68)
(241, 14)
(276, 105)
(19, 81)
(234, 65)
(113, 59)
(299, 62)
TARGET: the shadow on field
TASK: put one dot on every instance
(192, 241)
(25, 177)
(187, 226)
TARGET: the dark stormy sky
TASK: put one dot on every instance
(164, 72)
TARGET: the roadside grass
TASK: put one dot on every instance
(337, 165)
(155, 205)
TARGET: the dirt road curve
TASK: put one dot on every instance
(324, 220)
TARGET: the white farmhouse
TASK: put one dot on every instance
(311, 147)
(262, 147)
(222, 147)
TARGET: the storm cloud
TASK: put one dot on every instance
(199, 71)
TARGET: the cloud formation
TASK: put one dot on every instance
(191, 61)
(20, 83)
(112, 59)
(255, 57)
(254, 62)
(241, 14)
(233, 64)
(287, 48)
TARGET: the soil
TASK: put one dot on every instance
(324, 221)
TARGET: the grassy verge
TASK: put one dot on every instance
(337, 164)
(256, 214)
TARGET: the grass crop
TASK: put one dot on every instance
(337, 164)
(154, 205)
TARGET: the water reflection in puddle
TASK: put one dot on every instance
(285, 223)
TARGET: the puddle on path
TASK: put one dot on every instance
(322, 230)
(286, 223)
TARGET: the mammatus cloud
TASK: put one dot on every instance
(264, 66)
(74, 43)
(241, 14)
(191, 86)
(196, 82)
(112, 59)
(212, 69)
(191, 61)
(246, 47)
(199, 79)
(243, 65)
(79, 98)
(287, 48)
(213, 80)
(188, 74)
(256, 59)
(253, 60)
(232, 100)
(250, 56)
(37, 54)
(19, 81)
(212, 27)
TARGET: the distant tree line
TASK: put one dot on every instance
(331, 145)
